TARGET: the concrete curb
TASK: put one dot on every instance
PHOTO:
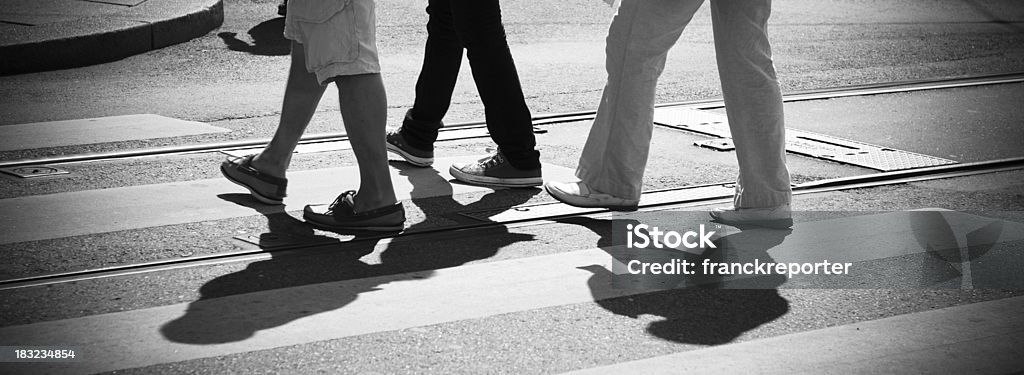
(94, 40)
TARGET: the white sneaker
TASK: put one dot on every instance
(771, 217)
(580, 195)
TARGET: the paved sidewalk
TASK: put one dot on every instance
(39, 35)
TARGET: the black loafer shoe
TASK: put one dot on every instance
(340, 216)
(263, 187)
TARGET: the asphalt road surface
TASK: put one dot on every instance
(519, 298)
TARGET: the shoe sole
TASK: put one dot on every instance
(589, 205)
(347, 229)
(495, 181)
(255, 194)
(410, 158)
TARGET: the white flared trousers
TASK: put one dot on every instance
(639, 38)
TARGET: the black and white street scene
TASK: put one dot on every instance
(511, 187)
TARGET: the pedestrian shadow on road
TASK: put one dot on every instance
(227, 311)
(267, 39)
(699, 308)
(303, 283)
(439, 209)
(993, 15)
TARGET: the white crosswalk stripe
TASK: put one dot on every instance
(326, 311)
(60, 215)
(982, 338)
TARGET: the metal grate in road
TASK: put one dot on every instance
(857, 153)
(34, 171)
(801, 142)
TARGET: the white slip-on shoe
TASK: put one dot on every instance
(770, 217)
(580, 195)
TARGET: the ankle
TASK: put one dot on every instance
(363, 202)
(270, 166)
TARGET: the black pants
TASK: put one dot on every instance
(474, 26)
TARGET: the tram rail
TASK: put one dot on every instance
(547, 119)
(837, 184)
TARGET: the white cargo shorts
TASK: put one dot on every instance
(339, 36)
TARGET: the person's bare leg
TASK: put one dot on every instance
(301, 96)
(364, 110)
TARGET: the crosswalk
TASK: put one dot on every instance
(99, 130)
(211, 327)
(60, 215)
(972, 339)
(982, 251)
